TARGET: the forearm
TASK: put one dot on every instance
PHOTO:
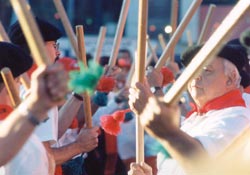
(185, 149)
(67, 113)
(15, 131)
(65, 153)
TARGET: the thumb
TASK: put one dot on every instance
(39, 72)
(146, 168)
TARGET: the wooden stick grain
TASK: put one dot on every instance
(100, 41)
(3, 35)
(82, 56)
(140, 71)
(11, 86)
(31, 32)
(204, 29)
(67, 26)
(176, 36)
(152, 50)
(119, 32)
(162, 41)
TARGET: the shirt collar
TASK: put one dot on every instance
(230, 99)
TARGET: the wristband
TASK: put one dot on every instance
(154, 89)
(33, 120)
(77, 96)
(22, 109)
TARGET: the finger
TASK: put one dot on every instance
(146, 168)
(39, 72)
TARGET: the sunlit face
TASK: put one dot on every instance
(211, 83)
(52, 49)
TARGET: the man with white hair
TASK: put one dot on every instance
(219, 118)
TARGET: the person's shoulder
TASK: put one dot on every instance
(235, 111)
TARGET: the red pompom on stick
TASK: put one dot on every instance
(106, 84)
(111, 123)
(168, 76)
(5, 110)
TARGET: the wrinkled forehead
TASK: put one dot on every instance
(217, 62)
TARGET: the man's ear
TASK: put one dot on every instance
(231, 78)
(229, 81)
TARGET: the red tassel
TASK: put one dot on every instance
(105, 84)
(69, 63)
(168, 76)
(74, 123)
(111, 123)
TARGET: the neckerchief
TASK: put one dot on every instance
(230, 99)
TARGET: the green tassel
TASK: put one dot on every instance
(86, 79)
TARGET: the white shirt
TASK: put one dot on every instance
(246, 98)
(30, 160)
(48, 130)
(215, 130)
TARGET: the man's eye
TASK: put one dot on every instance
(206, 69)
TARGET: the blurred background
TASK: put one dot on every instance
(93, 14)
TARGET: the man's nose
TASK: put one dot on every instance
(58, 53)
(198, 77)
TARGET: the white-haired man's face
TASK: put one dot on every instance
(212, 82)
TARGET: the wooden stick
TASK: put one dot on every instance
(67, 26)
(100, 41)
(131, 73)
(205, 25)
(208, 51)
(140, 71)
(3, 34)
(162, 41)
(174, 19)
(31, 32)
(24, 78)
(119, 32)
(174, 15)
(176, 36)
(189, 38)
(152, 50)
(150, 57)
(82, 56)
(11, 86)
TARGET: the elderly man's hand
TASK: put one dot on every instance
(138, 97)
(160, 119)
(48, 88)
(140, 169)
(87, 139)
(111, 71)
(155, 78)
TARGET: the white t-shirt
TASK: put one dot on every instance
(215, 130)
(48, 130)
(30, 160)
(246, 98)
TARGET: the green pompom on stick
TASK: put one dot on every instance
(86, 79)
